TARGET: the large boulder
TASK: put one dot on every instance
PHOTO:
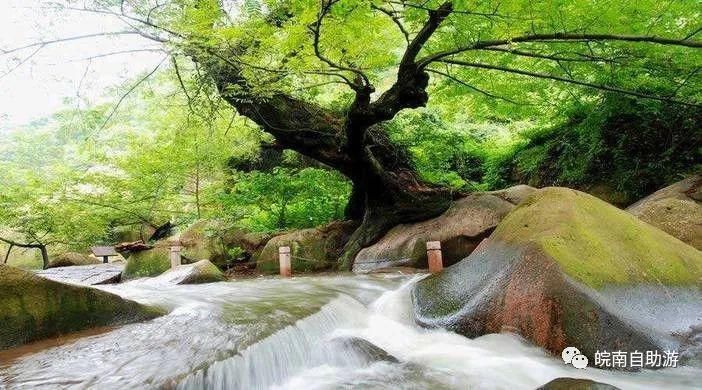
(460, 229)
(676, 209)
(69, 259)
(33, 308)
(515, 194)
(567, 269)
(222, 246)
(200, 272)
(576, 384)
(315, 249)
(85, 274)
(147, 263)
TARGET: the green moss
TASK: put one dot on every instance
(32, 308)
(71, 258)
(147, 263)
(598, 244)
(310, 249)
(206, 272)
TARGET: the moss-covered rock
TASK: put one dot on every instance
(515, 194)
(567, 269)
(151, 262)
(314, 249)
(676, 209)
(576, 384)
(69, 259)
(460, 229)
(200, 272)
(198, 243)
(222, 246)
(32, 308)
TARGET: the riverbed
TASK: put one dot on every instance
(299, 333)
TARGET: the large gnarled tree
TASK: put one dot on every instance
(323, 78)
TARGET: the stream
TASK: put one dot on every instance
(319, 332)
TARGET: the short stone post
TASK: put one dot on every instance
(436, 263)
(284, 259)
(175, 254)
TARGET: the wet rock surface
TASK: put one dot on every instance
(202, 271)
(32, 308)
(206, 240)
(576, 384)
(85, 274)
(363, 348)
(566, 269)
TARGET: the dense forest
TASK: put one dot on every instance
(470, 97)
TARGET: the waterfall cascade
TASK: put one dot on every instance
(302, 333)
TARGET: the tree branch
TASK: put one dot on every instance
(121, 99)
(476, 89)
(7, 255)
(21, 245)
(395, 20)
(522, 53)
(409, 91)
(20, 63)
(316, 32)
(565, 80)
(435, 18)
(560, 37)
(493, 14)
(68, 39)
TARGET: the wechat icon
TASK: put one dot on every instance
(572, 355)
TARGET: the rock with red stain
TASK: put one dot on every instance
(567, 269)
(460, 229)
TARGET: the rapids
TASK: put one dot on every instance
(300, 333)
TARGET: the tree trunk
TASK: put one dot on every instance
(7, 255)
(386, 192)
(386, 188)
(34, 245)
(44, 256)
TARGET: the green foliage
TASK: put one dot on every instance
(85, 176)
(629, 147)
(284, 198)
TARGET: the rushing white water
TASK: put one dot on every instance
(305, 333)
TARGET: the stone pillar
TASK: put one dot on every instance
(436, 263)
(284, 259)
(175, 254)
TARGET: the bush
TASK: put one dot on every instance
(623, 148)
